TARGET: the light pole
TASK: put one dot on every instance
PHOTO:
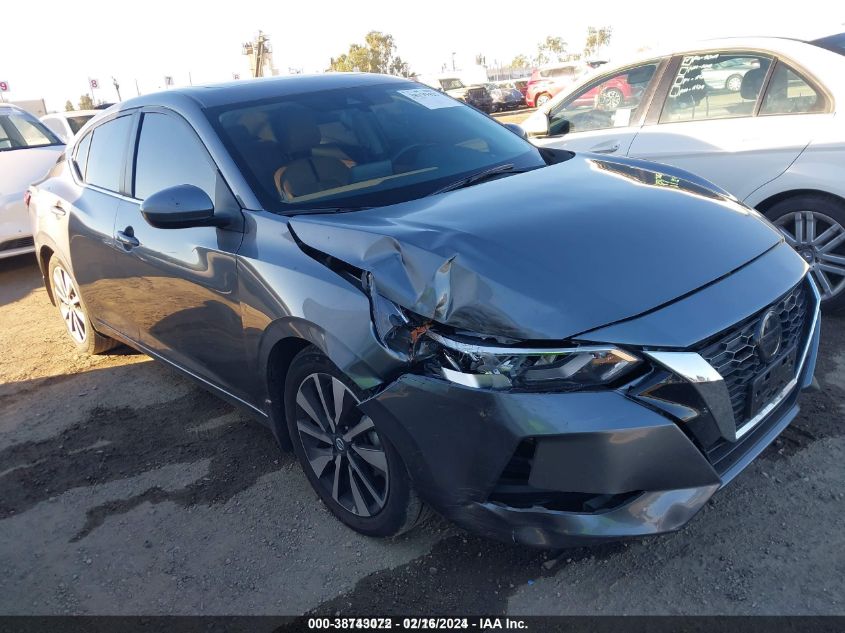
(453, 61)
(116, 88)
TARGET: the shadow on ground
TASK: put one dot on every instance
(122, 442)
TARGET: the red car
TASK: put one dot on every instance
(611, 94)
(546, 82)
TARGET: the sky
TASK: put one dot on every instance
(49, 49)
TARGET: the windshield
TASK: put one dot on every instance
(76, 122)
(363, 146)
(20, 131)
(835, 43)
(451, 84)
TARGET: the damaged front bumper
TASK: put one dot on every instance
(564, 469)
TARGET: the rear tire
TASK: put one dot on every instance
(74, 313)
(347, 458)
(814, 225)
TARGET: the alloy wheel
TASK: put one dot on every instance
(611, 99)
(341, 445)
(820, 240)
(734, 83)
(70, 304)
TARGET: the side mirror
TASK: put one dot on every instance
(537, 124)
(180, 207)
(513, 127)
(558, 126)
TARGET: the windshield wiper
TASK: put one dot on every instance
(478, 177)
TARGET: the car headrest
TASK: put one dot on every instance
(295, 129)
(752, 81)
(641, 75)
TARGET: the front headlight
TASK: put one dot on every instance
(557, 369)
(411, 338)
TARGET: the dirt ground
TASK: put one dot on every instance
(126, 489)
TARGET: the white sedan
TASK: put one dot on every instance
(775, 142)
(27, 152)
(65, 125)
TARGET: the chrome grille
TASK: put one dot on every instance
(734, 354)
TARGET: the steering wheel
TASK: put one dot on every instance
(408, 148)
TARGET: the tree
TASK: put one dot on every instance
(551, 49)
(596, 39)
(377, 55)
(520, 61)
(68, 106)
(86, 102)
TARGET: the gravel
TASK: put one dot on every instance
(126, 489)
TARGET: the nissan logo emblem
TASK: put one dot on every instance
(769, 336)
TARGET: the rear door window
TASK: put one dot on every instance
(107, 153)
(715, 86)
(789, 93)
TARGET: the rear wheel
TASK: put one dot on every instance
(348, 460)
(73, 310)
(814, 225)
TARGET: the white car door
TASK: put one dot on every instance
(737, 139)
(602, 116)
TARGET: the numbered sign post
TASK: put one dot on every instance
(4, 88)
(93, 84)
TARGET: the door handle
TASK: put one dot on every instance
(58, 210)
(607, 149)
(127, 238)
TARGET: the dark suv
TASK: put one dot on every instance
(477, 96)
(545, 347)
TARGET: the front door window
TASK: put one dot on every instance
(613, 100)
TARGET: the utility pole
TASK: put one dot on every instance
(116, 88)
(260, 54)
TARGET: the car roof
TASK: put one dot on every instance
(214, 95)
(813, 57)
(70, 113)
(9, 108)
(784, 46)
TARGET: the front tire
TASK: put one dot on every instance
(611, 99)
(74, 313)
(348, 460)
(541, 99)
(814, 225)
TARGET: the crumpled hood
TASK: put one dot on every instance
(551, 253)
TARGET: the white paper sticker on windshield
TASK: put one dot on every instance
(430, 98)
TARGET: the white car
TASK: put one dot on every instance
(27, 152)
(65, 125)
(775, 143)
